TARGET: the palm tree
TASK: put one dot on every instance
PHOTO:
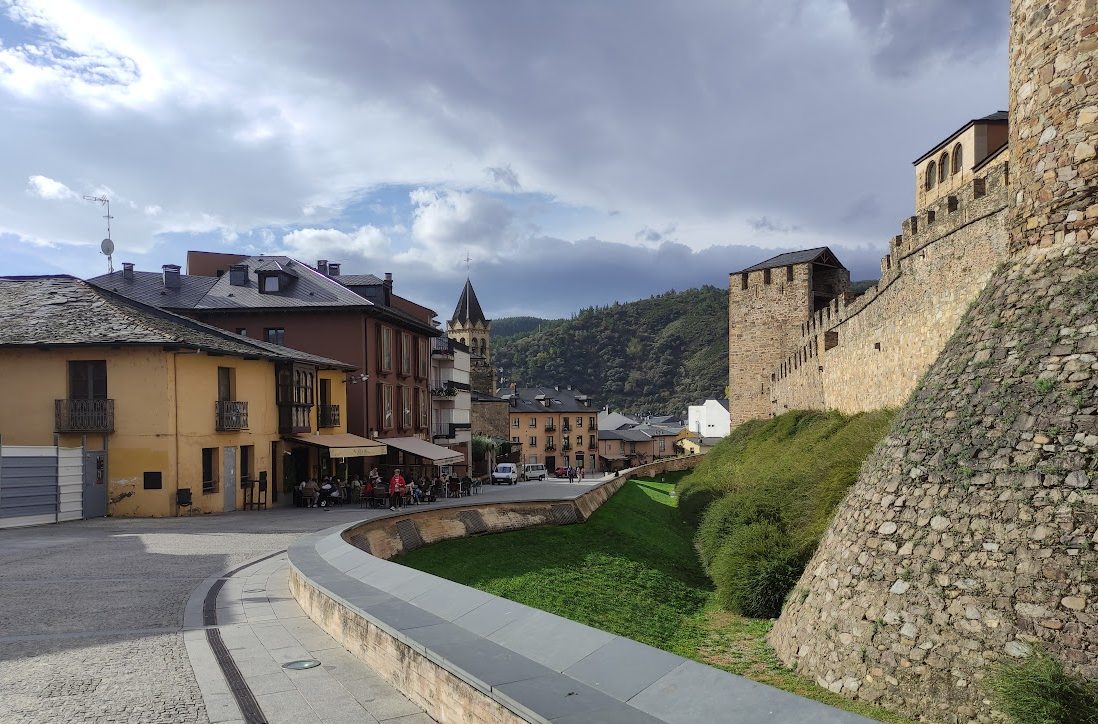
(484, 448)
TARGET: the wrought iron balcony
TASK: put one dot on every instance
(231, 415)
(83, 415)
(566, 447)
(328, 416)
(592, 427)
(550, 446)
(550, 426)
(592, 444)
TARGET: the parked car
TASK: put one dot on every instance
(505, 473)
(534, 471)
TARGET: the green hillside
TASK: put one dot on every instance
(515, 326)
(654, 355)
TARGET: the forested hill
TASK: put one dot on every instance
(655, 355)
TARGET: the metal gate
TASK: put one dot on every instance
(95, 483)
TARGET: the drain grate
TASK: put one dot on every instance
(563, 515)
(473, 522)
(409, 535)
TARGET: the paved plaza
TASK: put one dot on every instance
(92, 612)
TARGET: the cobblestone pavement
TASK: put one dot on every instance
(91, 612)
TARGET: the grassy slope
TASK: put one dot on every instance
(631, 570)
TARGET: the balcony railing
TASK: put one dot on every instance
(566, 447)
(550, 446)
(550, 427)
(592, 427)
(83, 415)
(231, 415)
(592, 444)
(328, 416)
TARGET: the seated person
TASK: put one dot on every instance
(415, 490)
(310, 493)
(326, 491)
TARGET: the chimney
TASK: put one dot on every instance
(238, 275)
(322, 266)
(333, 269)
(171, 276)
(127, 270)
(389, 281)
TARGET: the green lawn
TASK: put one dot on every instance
(631, 570)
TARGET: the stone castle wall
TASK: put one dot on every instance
(762, 325)
(871, 353)
(971, 535)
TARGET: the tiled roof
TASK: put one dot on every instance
(359, 280)
(614, 421)
(468, 308)
(795, 257)
(64, 310)
(996, 117)
(148, 288)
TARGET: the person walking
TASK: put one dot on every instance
(397, 486)
(571, 474)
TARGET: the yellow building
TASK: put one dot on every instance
(179, 416)
(966, 154)
(555, 427)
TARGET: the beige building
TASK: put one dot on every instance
(960, 157)
(471, 328)
(555, 427)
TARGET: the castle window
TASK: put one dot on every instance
(743, 280)
(958, 158)
(483, 348)
(943, 166)
(789, 273)
(766, 276)
(979, 188)
(931, 175)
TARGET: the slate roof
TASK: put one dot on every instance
(561, 401)
(996, 117)
(468, 308)
(64, 311)
(359, 280)
(614, 421)
(306, 289)
(476, 396)
(796, 257)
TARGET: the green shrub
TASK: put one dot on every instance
(756, 569)
(729, 513)
(1037, 690)
(789, 472)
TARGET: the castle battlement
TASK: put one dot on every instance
(977, 200)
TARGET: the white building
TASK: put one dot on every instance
(709, 419)
(451, 402)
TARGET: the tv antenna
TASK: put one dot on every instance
(106, 247)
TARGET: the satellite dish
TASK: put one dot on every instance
(107, 247)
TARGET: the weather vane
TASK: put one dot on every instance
(106, 246)
(467, 262)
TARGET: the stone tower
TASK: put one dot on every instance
(767, 304)
(470, 327)
(972, 533)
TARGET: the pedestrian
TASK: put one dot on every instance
(397, 487)
(571, 474)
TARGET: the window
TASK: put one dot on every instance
(958, 158)
(943, 166)
(579, 439)
(514, 422)
(274, 335)
(424, 355)
(533, 441)
(483, 348)
(387, 407)
(226, 384)
(405, 354)
(590, 423)
(88, 380)
(533, 422)
(385, 349)
(743, 280)
(303, 387)
(209, 470)
(422, 407)
(154, 481)
(579, 422)
(550, 443)
(325, 392)
(766, 276)
(663, 444)
(247, 454)
(931, 175)
(269, 282)
(789, 273)
(405, 406)
(242, 331)
(516, 441)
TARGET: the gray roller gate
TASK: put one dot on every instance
(40, 484)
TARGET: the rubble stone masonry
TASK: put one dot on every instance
(971, 535)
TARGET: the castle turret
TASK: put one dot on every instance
(470, 327)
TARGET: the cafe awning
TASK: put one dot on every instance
(427, 450)
(343, 445)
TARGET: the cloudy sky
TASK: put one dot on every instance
(578, 152)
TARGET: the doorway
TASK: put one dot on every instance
(95, 484)
(228, 477)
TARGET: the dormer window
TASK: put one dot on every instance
(269, 283)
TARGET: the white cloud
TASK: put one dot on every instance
(362, 246)
(45, 187)
(447, 224)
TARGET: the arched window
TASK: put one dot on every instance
(958, 158)
(943, 167)
(462, 340)
(473, 346)
(483, 348)
(931, 175)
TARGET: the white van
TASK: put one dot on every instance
(505, 474)
(534, 471)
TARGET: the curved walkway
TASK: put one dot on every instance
(92, 612)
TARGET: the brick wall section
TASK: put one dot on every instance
(933, 271)
(972, 532)
(491, 418)
(763, 327)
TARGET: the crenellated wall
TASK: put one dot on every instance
(871, 353)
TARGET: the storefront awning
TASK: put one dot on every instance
(344, 445)
(427, 450)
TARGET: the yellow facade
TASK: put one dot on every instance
(164, 416)
(582, 427)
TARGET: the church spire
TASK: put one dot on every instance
(468, 309)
